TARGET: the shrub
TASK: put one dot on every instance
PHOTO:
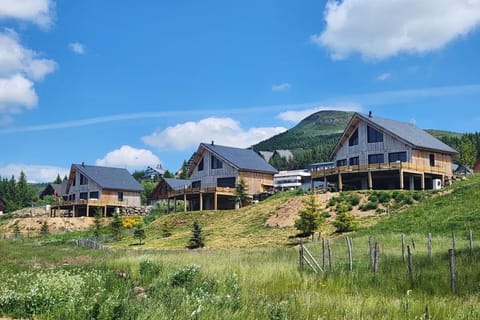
(344, 207)
(398, 196)
(408, 199)
(417, 196)
(354, 199)
(384, 196)
(369, 206)
(373, 197)
(131, 221)
(149, 269)
(344, 222)
(139, 233)
(185, 276)
(165, 231)
(310, 218)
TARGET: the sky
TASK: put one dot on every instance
(133, 84)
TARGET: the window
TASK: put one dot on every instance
(374, 135)
(200, 165)
(74, 181)
(354, 161)
(83, 195)
(120, 196)
(196, 184)
(432, 160)
(341, 163)
(397, 156)
(83, 180)
(226, 182)
(216, 164)
(353, 141)
(375, 158)
(94, 195)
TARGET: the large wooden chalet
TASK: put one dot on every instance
(90, 188)
(215, 172)
(377, 153)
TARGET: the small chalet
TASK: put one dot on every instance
(89, 188)
(57, 190)
(165, 188)
(377, 153)
(216, 171)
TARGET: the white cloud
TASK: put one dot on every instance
(224, 131)
(19, 69)
(281, 87)
(34, 173)
(129, 157)
(299, 115)
(378, 29)
(384, 76)
(77, 47)
(39, 12)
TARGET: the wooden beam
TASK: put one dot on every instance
(215, 201)
(184, 201)
(402, 186)
(370, 180)
(422, 182)
(340, 182)
(201, 200)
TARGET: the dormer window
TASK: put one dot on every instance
(83, 180)
(353, 141)
(373, 135)
(216, 163)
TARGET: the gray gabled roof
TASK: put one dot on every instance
(110, 178)
(407, 132)
(177, 184)
(241, 159)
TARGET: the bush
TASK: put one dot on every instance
(354, 199)
(345, 222)
(149, 269)
(186, 276)
(344, 207)
(398, 195)
(373, 197)
(369, 206)
(384, 196)
(417, 196)
(408, 199)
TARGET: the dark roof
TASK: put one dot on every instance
(242, 159)
(177, 184)
(59, 189)
(110, 178)
(407, 132)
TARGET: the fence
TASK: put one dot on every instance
(93, 244)
(405, 251)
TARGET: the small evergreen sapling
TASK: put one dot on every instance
(44, 229)
(197, 239)
(310, 218)
(139, 233)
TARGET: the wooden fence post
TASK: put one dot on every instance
(372, 251)
(470, 240)
(429, 245)
(410, 265)
(300, 255)
(323, 253)
(350, 258)
(330, 256)
(453, 241)
(403, 247)
(377, 258)
(453, 276)
(413, 244)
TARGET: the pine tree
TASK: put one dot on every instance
(116, 227)
(467, 153)
(184, 170)
(310, 218)
(44, 229)
(197, 239)
(344, 222)
(97, 223)
(139, 233)
(58, 180)
(166, 230)
(241, 191)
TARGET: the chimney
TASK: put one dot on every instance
(369, 114)
(213, 143)
(83, 164)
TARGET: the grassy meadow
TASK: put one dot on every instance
(248, 271)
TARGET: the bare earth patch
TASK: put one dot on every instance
(32, 225)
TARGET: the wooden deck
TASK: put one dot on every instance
(84, 205)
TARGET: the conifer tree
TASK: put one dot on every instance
(44, 229)
(139, 233)
(310, 218)
(116, 227)
(197, 239)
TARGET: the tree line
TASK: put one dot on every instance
(17, 194)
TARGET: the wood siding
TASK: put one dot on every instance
(130, 198)
(363, 149)
(443, 161)
(256, 182)
(208, 176)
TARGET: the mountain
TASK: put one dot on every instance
(318, 128)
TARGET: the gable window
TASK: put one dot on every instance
(216, 164)
(120, 196)
(375, 158)
(353, 141)
(341, 163)
(200, 165)
(94, 195)
(354, 161)
(83, 180)
(373, 135)
(432, 160)
(83, 195)
(397, 156)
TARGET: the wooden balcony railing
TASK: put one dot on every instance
(91, 202)
(320, 173)
(220, 190)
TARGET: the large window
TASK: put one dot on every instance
(354, 161)
(375, 158)
(83, 195)
(94, 195)
(353, 141)
(216, 164)
(226, 182)
(83, 180)
(200, 165)
(120, 196)
(341, 163)
(397, 156)
(432, 160)
(374, 135)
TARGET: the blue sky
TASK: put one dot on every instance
(131, 84)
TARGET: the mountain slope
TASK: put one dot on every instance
(318, 128)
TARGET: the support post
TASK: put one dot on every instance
(215, 201)
(325, 183)
(185, 201)
(340, 182)
(370, 180)
(402, 186)
(422, 182)
(201, 200)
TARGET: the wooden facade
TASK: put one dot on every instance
(376, 153)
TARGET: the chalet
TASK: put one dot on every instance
(216, 171)
(153, 173)
(90, 188)
(166, 187)
(292, 179)
(57, 190)
(377, 153)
